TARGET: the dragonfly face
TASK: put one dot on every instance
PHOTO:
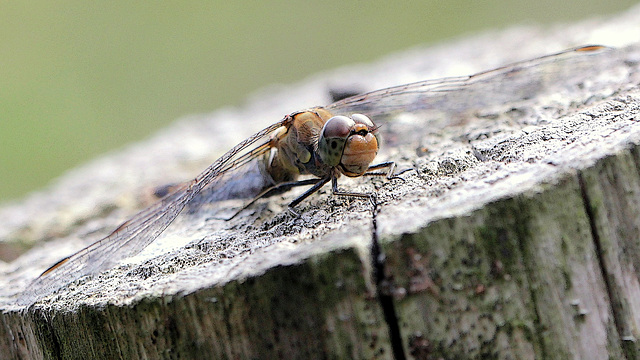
(348, 143)
(314, 142)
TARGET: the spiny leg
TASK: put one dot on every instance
(276, 189)
(389, 174)
(334, 189)
(319, 183)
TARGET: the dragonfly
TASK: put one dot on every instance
(324, 142)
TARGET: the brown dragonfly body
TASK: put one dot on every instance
(325, 142)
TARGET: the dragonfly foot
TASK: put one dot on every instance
(293, 212)
(397, 175)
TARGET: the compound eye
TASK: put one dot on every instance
(337, 127)
(363, 119)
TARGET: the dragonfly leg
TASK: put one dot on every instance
(319, 183)
(276, 189)
(334, 189)
(389, 174)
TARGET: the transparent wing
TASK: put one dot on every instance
(137, 233)
(509, 83)
(455, 94)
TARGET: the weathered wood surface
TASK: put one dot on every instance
(517, 237)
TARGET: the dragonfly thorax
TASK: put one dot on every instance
(348, 143)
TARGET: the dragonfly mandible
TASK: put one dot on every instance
(325, 142)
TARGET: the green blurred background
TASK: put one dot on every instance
(79, 78)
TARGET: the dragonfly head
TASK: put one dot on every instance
(349, 143)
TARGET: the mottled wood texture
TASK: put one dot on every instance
(516, 237)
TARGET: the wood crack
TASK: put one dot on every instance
(615, 305)
(384, 287)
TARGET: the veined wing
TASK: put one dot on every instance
(501, 85)
(137, 233)
(509, 83)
